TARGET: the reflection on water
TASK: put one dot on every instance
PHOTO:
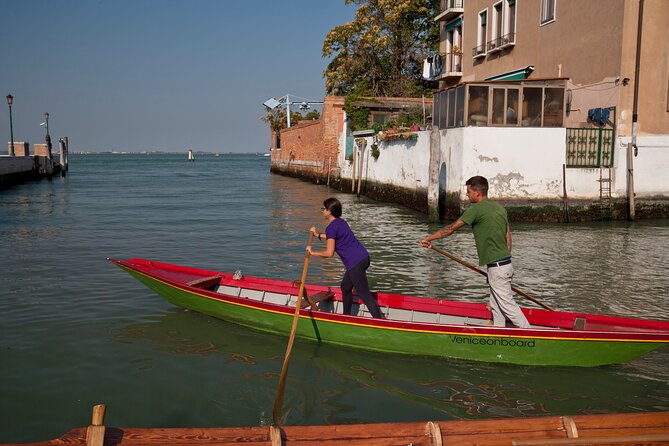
(77, 331)
(411, 388)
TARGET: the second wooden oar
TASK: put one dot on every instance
(473, 268)
(276, 413)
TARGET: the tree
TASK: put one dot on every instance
(276, 118)
(381, 51)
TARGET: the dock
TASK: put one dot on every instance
(619, 429)
(20, 166)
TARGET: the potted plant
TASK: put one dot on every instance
(456, 50)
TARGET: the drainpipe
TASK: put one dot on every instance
(630, 159)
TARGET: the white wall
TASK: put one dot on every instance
(520, 163)
(400, 163)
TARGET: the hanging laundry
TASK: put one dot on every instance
(427, 68)
(437, 66)
(599, 115)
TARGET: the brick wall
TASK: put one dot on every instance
(311, 147)
(41, 150)
(20, 148)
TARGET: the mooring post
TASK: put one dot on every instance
(95, 434)
(61, 145)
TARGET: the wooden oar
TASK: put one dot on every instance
(473, 268)
(276, 412)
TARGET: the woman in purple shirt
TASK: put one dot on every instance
(340, 239)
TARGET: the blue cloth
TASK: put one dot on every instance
(599, 115)
(349, 249)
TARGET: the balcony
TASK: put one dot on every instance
(494, 45)
(507, 40)
(451, 66)
(449, 10)
(478, 51)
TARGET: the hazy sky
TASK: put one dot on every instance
(158, 74)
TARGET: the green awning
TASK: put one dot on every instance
(449, 26)
(513, 75)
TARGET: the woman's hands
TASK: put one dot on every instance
(313, 231)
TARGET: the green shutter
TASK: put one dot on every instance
(453, 24)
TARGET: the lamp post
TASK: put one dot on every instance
(272, 103)
(48, 137)
(10, 101)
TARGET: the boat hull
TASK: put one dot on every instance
(523, 347)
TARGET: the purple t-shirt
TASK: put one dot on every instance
(348, 247)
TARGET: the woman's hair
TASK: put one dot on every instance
(334, 206)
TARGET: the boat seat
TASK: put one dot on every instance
(579, 323)
(205, 282)
(318, 297)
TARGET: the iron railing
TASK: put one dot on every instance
(590, 147)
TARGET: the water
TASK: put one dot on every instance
(77, 331)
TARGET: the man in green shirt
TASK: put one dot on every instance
(492, 235)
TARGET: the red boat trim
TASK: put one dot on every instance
(565, 335)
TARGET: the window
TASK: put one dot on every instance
(498, 106)
(477, 108)
(553, 107)
(532, 107)
(510, 33)
(443, 105)
(498, 23)
(460, 106)
(512, 107)
(483, 31)
(547, 11)
(451, 108)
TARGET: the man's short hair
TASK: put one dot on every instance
(479, 184)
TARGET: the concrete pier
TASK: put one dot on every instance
(25, 167)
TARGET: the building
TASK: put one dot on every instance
(550, 87)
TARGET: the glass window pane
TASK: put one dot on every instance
(477, 111)
(459, 106)
(553, 107)
(498, 106)
(443, 103)
(451, 108)
(512, 107)
(531, 107)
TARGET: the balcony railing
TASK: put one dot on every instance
(508, 40)
(494, 45)
(451, 65)
(450, 9)
(478, 51)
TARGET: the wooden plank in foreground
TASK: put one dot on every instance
(617, 429)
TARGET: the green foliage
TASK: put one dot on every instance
(375, 151)
(276, 118)
(312, 115)
(357, 116)
(381, 51)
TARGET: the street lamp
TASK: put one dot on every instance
(273, 103)
(10, 101)
(48, 137)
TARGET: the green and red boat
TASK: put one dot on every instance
(412, 325)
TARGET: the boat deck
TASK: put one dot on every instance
(358, 309)
(618, 429)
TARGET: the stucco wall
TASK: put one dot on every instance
(401, 163)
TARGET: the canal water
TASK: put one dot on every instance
(77, 331)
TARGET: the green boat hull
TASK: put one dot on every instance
(522, 350)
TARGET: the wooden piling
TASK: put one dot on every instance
(95, 434)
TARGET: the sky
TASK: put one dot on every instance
(167, 75)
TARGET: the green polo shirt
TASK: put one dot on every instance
(489, 222)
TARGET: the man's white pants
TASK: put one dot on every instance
(502, 304)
